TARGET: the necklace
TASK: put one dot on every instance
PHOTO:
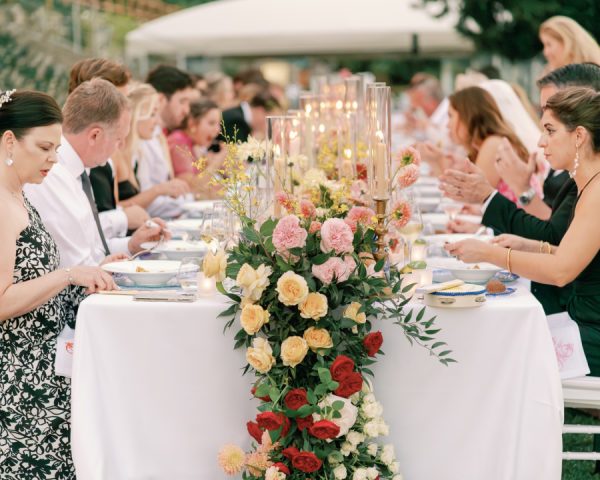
(586, 185)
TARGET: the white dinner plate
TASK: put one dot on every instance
(443, 238)
(145, 273)
(197, 209)
(469, 272)
(188, 225)
(178, 249)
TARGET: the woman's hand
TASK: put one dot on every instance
(174, 188)
(469, 251)
(515, 242)
(462, 226)
(93, 279)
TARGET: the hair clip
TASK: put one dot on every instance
(5, 97)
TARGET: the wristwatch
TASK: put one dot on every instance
(526, 197)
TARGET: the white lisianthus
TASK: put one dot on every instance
(394, 467)
(372, 473)
(313, 178)
(372, 410)
(340, 472)
(355, 438)
(371, 429)
(347, 448)
(372, 449)
(384, 428)
(387, 454)
(273, 473)
(360, 474)
(348, 413)
(252, 148)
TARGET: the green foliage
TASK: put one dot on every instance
(510, 27)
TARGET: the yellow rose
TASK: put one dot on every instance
(215, 265)
(293, 351)
(292, 288)
(314, 306)
(317, 338)
(253, 282)
(352, 313)
(260, 355)
(253, 317)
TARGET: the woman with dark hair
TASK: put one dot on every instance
(475, 123)
(571, 141)
(37, 299)
(186, 145)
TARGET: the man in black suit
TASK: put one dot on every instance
(504, 216)
(249, 118)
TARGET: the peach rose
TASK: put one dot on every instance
(317, 338)
(293, 351)
(215, 265)
(260, 355)
(352, 312)
(253, 317)
(314, 306)
(253, 282)
(292, 288)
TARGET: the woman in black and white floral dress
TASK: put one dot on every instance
(36, 299)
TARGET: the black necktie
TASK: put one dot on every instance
(87, 188)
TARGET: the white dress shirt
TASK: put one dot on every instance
(67, 214)
(154, 169)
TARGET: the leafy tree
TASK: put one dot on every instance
(510, 27)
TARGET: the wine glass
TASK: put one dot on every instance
(412, 230)
(450, 208)
(189, 272)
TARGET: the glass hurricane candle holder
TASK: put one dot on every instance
(379, 141)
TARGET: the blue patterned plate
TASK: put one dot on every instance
(506, 277)
(508, 291)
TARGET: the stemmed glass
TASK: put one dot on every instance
(189, 271)
(412, 230)
(450, 208)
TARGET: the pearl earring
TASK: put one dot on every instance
(9, 161)
(573, 172)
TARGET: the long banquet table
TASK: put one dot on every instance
(157, 390)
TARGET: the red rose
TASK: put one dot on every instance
(373, 342)
(306, 462)
(290, 453)
(282, 468)
(286, 425)
(269, 420)
(324, 429)
(361, 171)
(349, 385)
(266, 398)
(254, 431)
(341, 366)
(304, 422)
(295, 398)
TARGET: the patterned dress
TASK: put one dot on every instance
(34, 402)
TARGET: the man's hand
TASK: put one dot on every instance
(513, 170)
(149, 232)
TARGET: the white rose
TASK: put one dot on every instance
(273, 473)
(355, 438)
(333, 459)
(384, 429)
(372, 473)
(387, 454)
(360, 474)
(394, 467)
(355, 397)
(398, 477)
(372, 410)
(340, 472)
(349, 413)
(371, 429)
(372, 449)
(347, 448)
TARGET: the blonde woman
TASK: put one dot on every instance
(566, 42)
(144, 119)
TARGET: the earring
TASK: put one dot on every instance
(573, 172)
(9, 161)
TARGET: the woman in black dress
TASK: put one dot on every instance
(36, 298)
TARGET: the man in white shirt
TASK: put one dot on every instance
(96, 120)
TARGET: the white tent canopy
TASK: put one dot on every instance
(303, 27)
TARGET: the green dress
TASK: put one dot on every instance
(35, 403)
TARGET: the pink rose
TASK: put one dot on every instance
(400, 214)
(359, 190)
(334, 268)
(289, 234)
(362, 215)
(336, 235)
(307, 209)
(314, 227)
(408, 175)
(409, 156)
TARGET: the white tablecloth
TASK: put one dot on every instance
(495, 415)
(157, 390)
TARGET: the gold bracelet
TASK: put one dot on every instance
(541, 246)
(549, 247)
(508, 260)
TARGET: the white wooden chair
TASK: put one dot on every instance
(582, 392)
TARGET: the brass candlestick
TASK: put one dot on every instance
(381, 228)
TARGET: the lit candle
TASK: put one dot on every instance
(419, 251)
(206, 285)
(381, 180)
(294, 143)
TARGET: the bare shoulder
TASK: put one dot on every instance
(14, 219)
